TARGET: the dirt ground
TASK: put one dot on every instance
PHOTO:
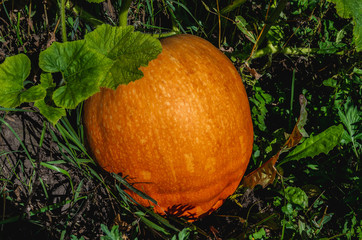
(82, 218)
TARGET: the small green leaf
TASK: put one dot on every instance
(330, 82)
(276, 35)
(46, 81)
(288, 209)
(52, 114)
(113, 234)
(340, 35)
(32, 94)
(105, 229)
(82, 70)
(351, 118)
(296, 196)
(13, 72)
(357, 71)
(352, 9)
(127, 48)
(315, 145)
(259, 110)
(242, 25)
(259, 234)
(184, 234)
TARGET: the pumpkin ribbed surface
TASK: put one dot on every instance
(182, 134)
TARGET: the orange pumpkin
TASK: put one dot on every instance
(181, 134)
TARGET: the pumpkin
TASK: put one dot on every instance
(182, 133)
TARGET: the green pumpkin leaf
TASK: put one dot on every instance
(82, 70)
(13, 72)
(32, 94)
(352, 9)
(315, 145)
(127, 48)
(52, 114)
(46, 81)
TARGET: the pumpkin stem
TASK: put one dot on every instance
(62, 20)
(123, 16)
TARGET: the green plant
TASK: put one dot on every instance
(351, 118)
(83, 66)
(350, 9)
(182, 235)
(352, 228)
(259, 111)
(260, 234)
(112, 234)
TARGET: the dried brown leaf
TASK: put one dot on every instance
(298, 131)
(252, 72)
(265, 174)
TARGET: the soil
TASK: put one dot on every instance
(82, 218)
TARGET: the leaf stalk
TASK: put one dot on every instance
(62, 20)
(123, 16)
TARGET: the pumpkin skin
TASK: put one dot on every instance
(182, 134)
